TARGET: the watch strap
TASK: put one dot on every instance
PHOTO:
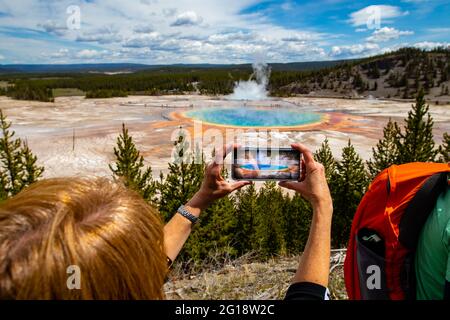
(185, 213)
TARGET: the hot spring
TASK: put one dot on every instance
(254, 116)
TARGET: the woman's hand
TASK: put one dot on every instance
(214, 186)
(313, 187)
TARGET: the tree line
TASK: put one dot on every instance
(406, 70)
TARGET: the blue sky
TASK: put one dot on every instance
(225, 31)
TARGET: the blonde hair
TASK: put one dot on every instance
(108, 231)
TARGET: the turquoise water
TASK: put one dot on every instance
(264, 167)
(254, 117)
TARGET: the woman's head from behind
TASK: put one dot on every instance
(110, 234)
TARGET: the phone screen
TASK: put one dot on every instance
(266, 164)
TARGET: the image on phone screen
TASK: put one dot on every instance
(265, 164)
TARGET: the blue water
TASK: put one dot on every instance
(263, 167)
(254, 117)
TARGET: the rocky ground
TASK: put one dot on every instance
(245, 278)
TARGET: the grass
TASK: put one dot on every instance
(243, 278)
(67, 92)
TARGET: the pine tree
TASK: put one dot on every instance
(297, 219)
(214, 235)
(269, 230)
(386, 152)
(246, 211)
(129, 167)
(351, 183)
(31, 169)
(324, 156)
(183, 180)
(18, 164)
(417, 143)
(444, 149)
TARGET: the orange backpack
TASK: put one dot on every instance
(386, 228)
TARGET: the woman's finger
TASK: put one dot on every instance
(307, 154)
(239, 184)
(303, 170)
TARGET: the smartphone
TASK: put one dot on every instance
(266, 164)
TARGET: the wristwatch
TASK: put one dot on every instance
(185, 213)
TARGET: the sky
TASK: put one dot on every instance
(215, 31)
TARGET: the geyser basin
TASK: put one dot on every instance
(254, 117)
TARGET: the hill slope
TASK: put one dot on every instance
(134, 67)
(399, 74)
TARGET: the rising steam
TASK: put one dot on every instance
(255, 88)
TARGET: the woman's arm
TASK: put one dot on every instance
(213, 187)
(315, 261)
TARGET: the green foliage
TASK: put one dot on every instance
(246, 213)
(297, 219)
(444, 149)
(349, 186)
(324, 156)
(18, 167)
(270, 224)
(30, 90)
(129, 167)
(214, 234)
(386, 152)
(183, 180)
(405, 66)
(416, 143)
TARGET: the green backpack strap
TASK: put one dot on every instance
(419, 208)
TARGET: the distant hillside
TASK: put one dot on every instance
(71, 68)
(398, 74)
(133, 67)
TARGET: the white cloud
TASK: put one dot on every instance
(143, 40)
(302, 37)
(90, 54)
(366, 15)
(143, 28)
(52, 27)
(169, 12)
(2, 57)
(64, 54)
(428, 45)
(61, 53)
(231, 36)
(355, 50)
(188, 18)
(386, 34)
(155, 31)
(102, 35)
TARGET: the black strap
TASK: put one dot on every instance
(419, 208)
(447, 290)
(306, 291)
